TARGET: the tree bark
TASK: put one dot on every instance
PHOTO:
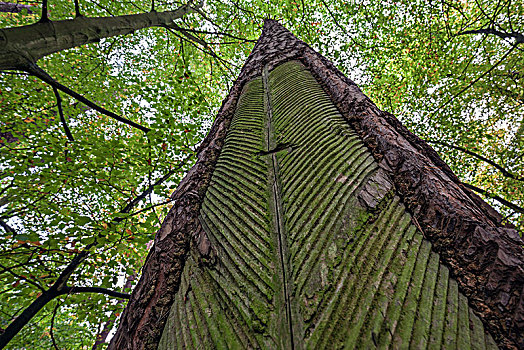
(23, 46)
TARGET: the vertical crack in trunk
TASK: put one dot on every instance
(278, 216)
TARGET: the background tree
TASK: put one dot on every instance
(451, 71)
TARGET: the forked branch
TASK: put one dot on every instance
(42, 74)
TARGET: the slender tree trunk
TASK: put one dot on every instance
(22, 46)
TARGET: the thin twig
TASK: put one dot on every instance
(519, 37)
(97, 290)
(475, 81)
(150, 207)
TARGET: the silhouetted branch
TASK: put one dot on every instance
(60, 287)
(150, 207)
(61, 113)
(51, 332)
(6, 227)
(77, 9)
(14, 8)
(148, 190)
(108, 325)
(97, 290)
(192, 39)
(476, 80)
(21, 278)
(519, 37)
(45, 17)
(495, 197)
(196, 31)
(40, 73)
(504, 172)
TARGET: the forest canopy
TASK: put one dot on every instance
(96, 133)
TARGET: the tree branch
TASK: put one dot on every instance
(41, 74)
(192, 39)
(150, 207)
(45, 17)
(212, 33)
(14, 7)
(476, 80)
(495, 197)
(51, 332)
(8, 229)
(22, 278)
(519, 37)
(108, 325)
(77, 9)
(504, 172)
(97, 290)
(148, 190)
(61, 113)
(60, 286)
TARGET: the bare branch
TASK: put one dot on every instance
(14, 7)
(476, 80)
(77, 9)
(22, 278)
(192, 39)
(217, 33)
(148, 190)
(8, 229)
(45, 17)
(150, 207)
(51, 332)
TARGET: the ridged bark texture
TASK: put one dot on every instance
(388, 232)
(313, 248)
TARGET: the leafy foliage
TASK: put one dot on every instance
(452, 71)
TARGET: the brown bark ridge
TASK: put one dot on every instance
(21, 46)
(485, 257)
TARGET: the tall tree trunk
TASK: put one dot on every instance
(23, 46)
(312, 219)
